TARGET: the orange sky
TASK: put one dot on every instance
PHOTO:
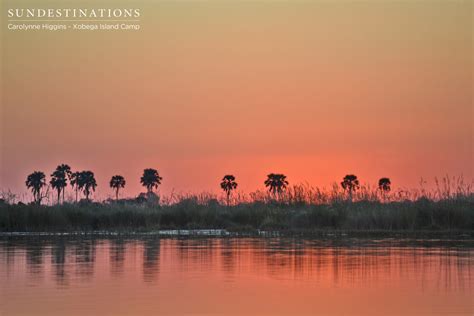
(313, 89)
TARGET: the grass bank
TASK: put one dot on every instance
(455, 214)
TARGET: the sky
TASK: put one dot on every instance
(312, 89)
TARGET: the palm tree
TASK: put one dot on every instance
(385, 186)
(86, 182)
(36, 181)
(228, 184)
(276, 183)
(58, 182)
(74, 180)
(66, 171)
(116, 183)
(350, 184)
(150, 179)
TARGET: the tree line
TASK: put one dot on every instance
(84, 182)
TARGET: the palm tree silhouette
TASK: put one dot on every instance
(150, 179)
(276, 183)
(228, 184)
(350, 184)
(74, 180)
(36, 181)
(66, 171)
(116, 183)
(58, 182)
(385, 186)
(86, 182)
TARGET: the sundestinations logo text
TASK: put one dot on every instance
(73, 13)
(79, 19)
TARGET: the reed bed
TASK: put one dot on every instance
(449, 206)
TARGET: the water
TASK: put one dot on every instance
(234, 276)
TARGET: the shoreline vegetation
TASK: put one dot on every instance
(408, 216)
(283, 208)
(288, 213)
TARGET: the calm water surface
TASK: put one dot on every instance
(235, 276)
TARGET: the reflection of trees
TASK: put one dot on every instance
(453, 270)
(349, 264)
(7, 248)
(34, 256)
(356, 265)
(85, 257)
(58, 260)
(117, 256)
(284, 257)
(229, 251)
(151, 259)
(198, 254)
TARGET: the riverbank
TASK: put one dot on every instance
(372, 216)
(452, 237)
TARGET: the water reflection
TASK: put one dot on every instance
(84, 254)
(229, 254)
(8, 254)
(151, 259)
(34, 257)
(58, 261)
(201, 267)
(117, 256)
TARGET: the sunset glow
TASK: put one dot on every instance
(311, 89)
